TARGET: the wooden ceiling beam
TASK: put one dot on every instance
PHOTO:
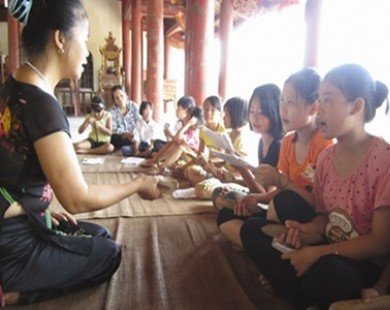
(127, 14)
(170, 10)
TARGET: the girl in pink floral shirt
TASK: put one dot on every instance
(185, 140)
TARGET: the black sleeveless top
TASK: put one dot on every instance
(272, 156)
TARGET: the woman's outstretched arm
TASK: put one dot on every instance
(61, 168)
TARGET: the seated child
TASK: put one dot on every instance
(264, 119)
(184, 104)
(213, 120)
(212, 113)
(235, 118)
(185, 140)
(146, 131)
(98, 141)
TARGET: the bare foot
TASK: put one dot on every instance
(148, 163)
(82, 151)
(265, 283)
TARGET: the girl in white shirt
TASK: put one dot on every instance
(146, 130)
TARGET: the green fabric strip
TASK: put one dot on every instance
(49, 223)
(6, 195)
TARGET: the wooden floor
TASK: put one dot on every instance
(173, 262)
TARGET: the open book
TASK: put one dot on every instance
(220, 139)
(232, 159)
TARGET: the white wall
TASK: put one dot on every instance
(104, 16)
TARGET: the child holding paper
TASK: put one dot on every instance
(264, 118)
(235, 118)
(212, 113)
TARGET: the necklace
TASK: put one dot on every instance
(39, 73)
(42, 77)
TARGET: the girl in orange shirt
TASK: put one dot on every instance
(294, 176)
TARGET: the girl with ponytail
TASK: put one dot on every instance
(50, 252)
(352, 203)
(185, 141)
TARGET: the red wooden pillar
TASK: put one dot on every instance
(199, 33)
(312, 17)
(154, 24)
(167, 58)
(13, 44)
(126, 45)
(226, 28)
(136, 41)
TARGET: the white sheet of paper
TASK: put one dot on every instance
(232, 159)
(92, 161)
(219, 139)
(132, 160)
(186, 193)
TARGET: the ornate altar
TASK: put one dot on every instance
(110, 73)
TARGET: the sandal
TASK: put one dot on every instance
(166, 184)
(217, 197)
(275, 230)
(382, 302)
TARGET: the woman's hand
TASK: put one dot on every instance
(148, 189)
(246, 205)
(267, 175)
(63, 215)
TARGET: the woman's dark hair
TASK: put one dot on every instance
(46, 16)
(238, 110)
(269, 96)
(115, 88)
(215, 102)
(198, 114)
(144, 105)
(306, 83)
(354, 82)
(186, 102)
(97, 103)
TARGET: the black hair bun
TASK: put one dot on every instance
(380, 94)
(20, 9)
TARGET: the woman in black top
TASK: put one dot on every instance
(39, 259)
(264, 119)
